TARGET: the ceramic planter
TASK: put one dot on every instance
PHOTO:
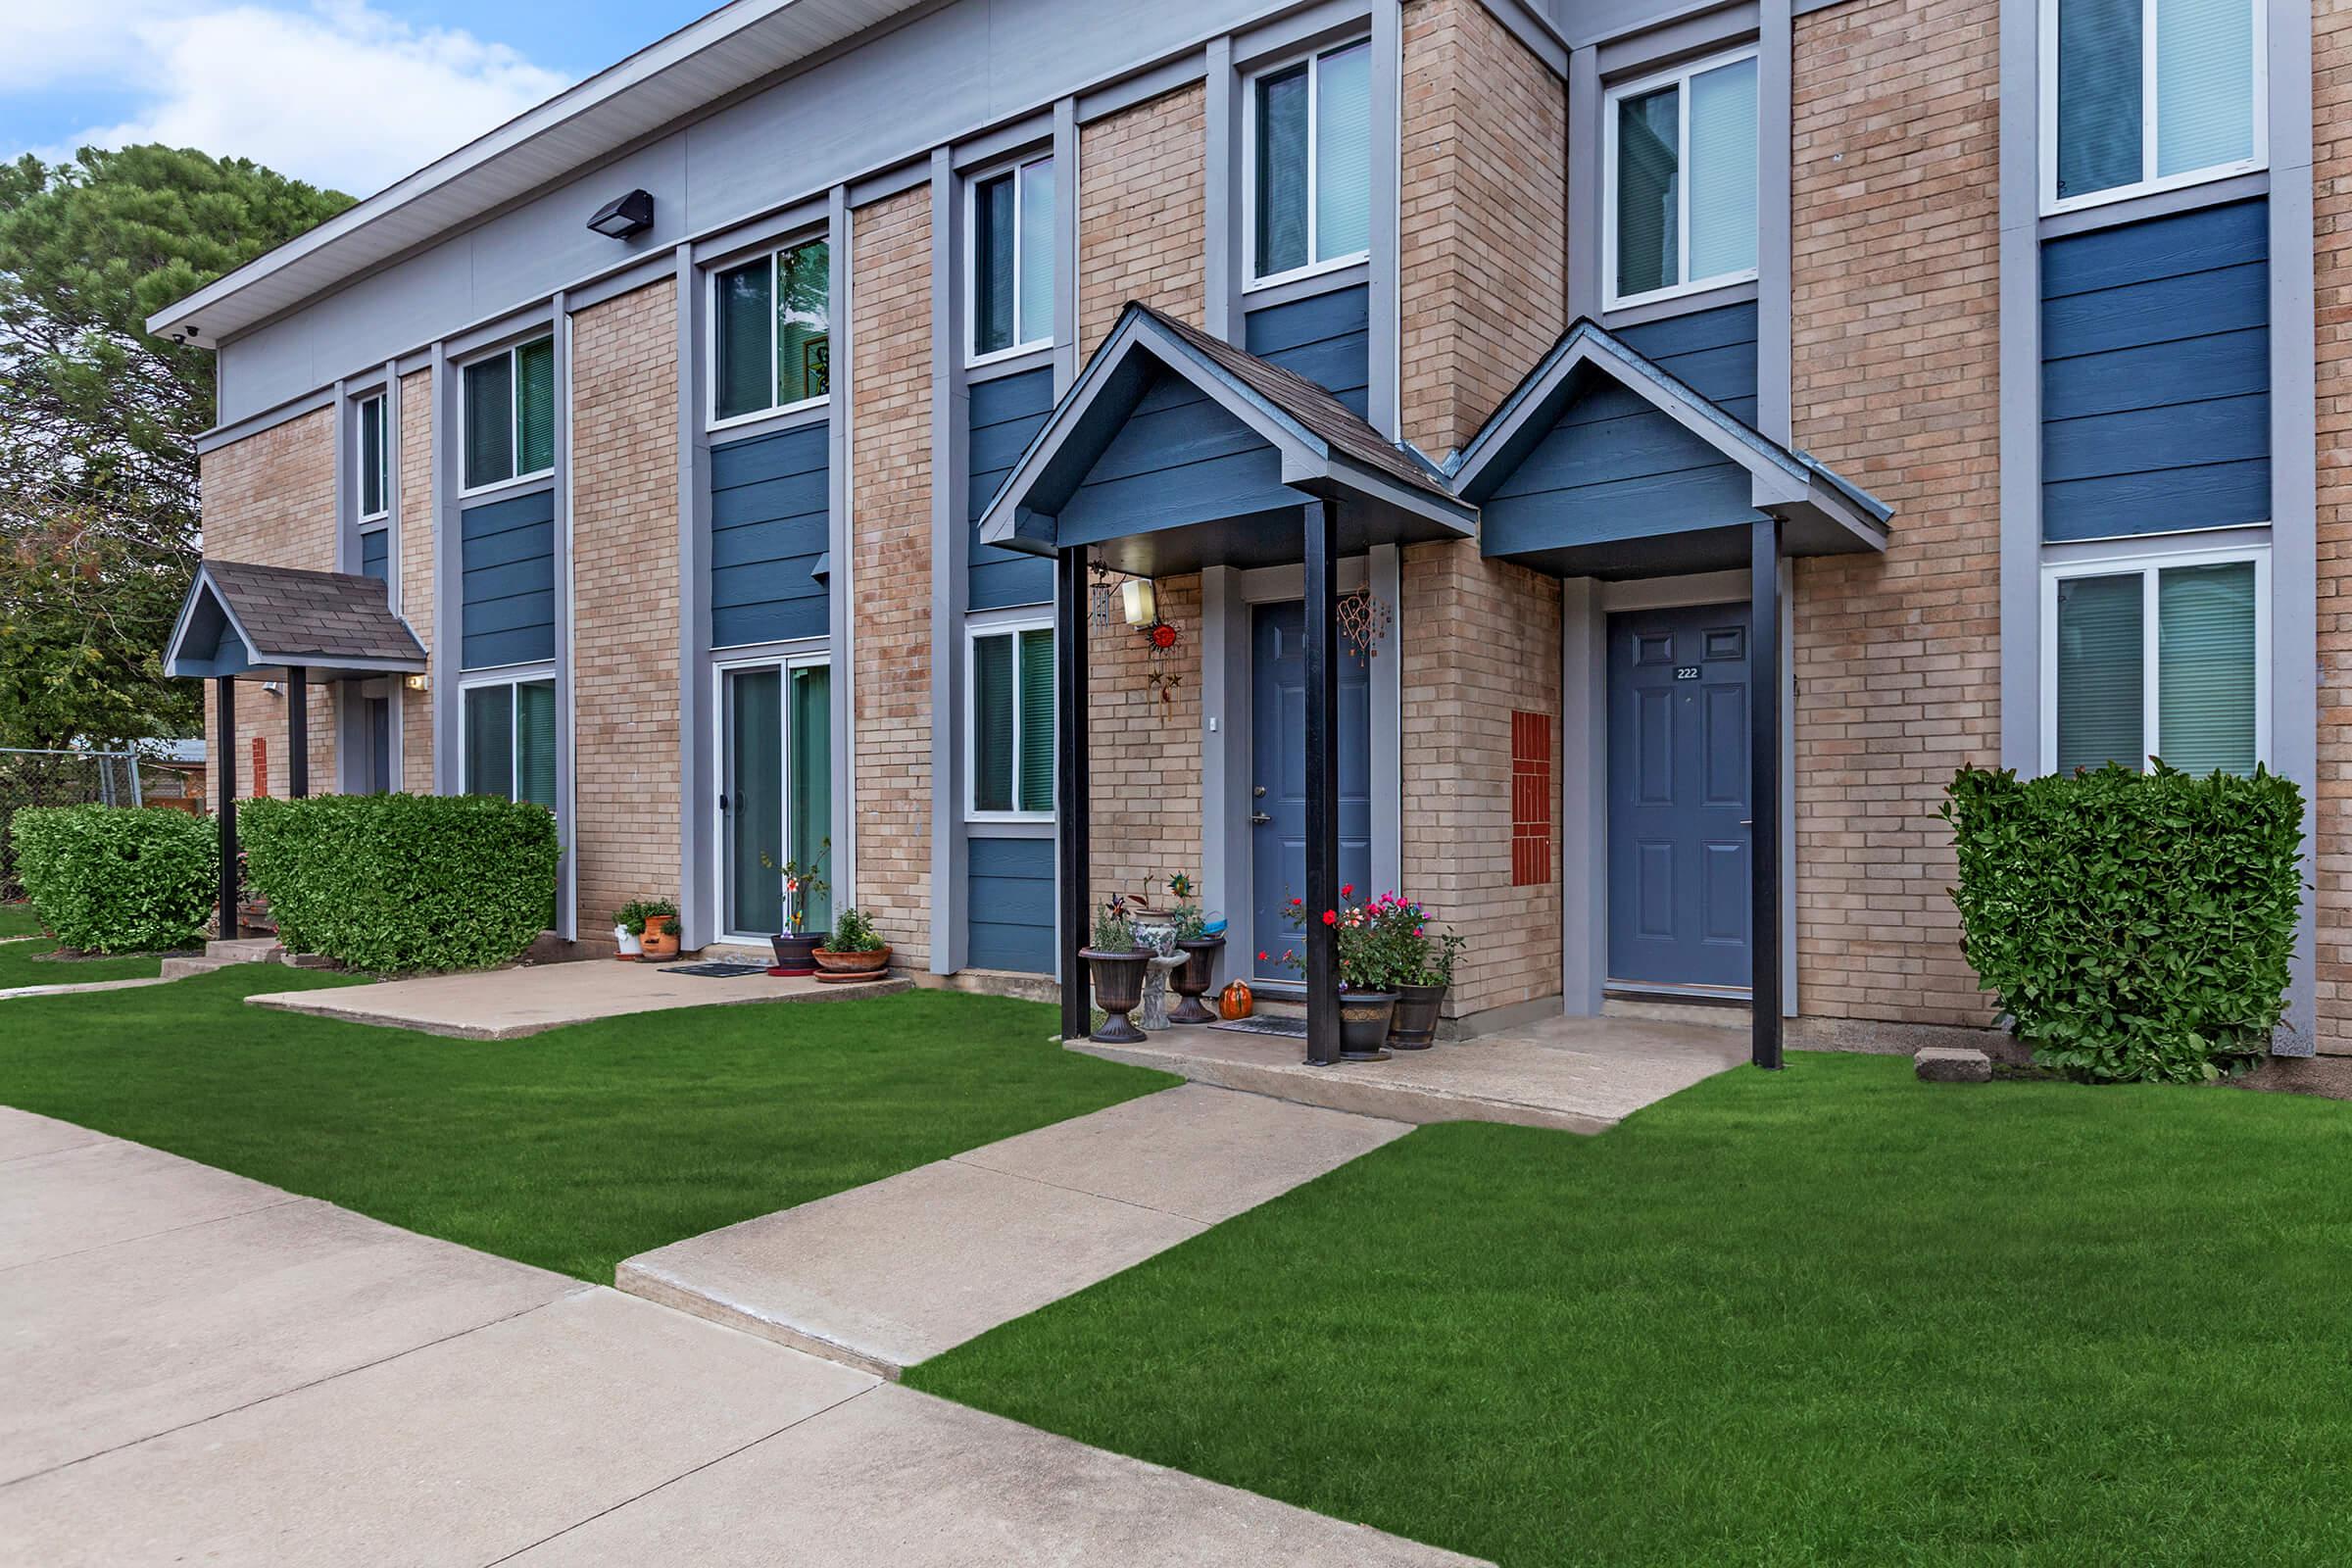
(796, 951)
(1118, 991)
(661, 942)
(626, 940)
(852, 963)
(1196, 978)
(1364, 1024)
(1414, 1026)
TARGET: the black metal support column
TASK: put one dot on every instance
(1070, 825)
(224, 773)
(1764, 790)
(298, 732)
(1322, 782)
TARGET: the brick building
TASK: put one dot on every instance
(1796, 400)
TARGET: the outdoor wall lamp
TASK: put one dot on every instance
(625, 217)
(1139, 602)
(417, 683)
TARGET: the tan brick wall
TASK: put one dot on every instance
(417, 571)
(1483, 268)
(624, 531)
(1143, 754)
(270, 499)
(2332, 190)
(1895, 383)
(890, 500)
(1142, 212)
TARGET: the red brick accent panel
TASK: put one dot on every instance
(1484, 263)
(1531, 800)
(2332, 192)
(625, 531)
(417, 571)
(1141, 211)
(271, 498)
(1143, 740)
(1895, 382)
(890, 500)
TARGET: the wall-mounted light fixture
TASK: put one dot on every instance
(624, 217)
(417, 683)
(1139, 603)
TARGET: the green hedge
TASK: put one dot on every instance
(2134, 926)
(404, 882)
(119, 878)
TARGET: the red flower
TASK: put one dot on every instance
(1349, 891)
(1331, 917)
(1296, 902)
(1261, 956)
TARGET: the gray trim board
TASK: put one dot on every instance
(347, 544)
(447, 580)
(1139, 88)
(1684, 305)
(1584, 103)
(1384, 348)
(1775, 64)
(1014, 136)
(2021, 387)
(1656, 45)
(567, 870)
(1221, 144)
(841, 583)
(950, 558)
(1583, 797)
(696, 796)
(1534, 30)
(1384, 578)
(223, 435)
(2163, 204)
(1225, 753)
(1065, 244)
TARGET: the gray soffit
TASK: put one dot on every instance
(733, 47)
(256, 622)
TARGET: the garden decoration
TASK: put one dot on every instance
(1116, 965)
(1363, 619)
(637, 926)
(796, 950)
(1102, 592)
(1236, 1001)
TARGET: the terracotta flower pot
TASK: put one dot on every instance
(1414, 1026)
(796, 951)
(1364, 1024)
(1118, 991)
(1197, 976)
(661, 942)
(852, 963)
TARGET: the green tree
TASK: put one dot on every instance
(99, 505)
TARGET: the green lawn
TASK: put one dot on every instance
(574, 1149)
(25, 963)
(1832, 1315)
(19, 921)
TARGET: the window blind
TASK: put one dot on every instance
(1344, 152)
(490, 422)
(2204, 83)
(2205, 662)
(490, 741)
(993, 283)
(2098, 94)
(1648, 164)
(1280, 172)
(1033, 318)
(1037, 722)
(992, 698)
(743, 372)
(536, 742)
(535, 412)
(1723, 171)
(2101, 673)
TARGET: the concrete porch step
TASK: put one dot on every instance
(220, 954)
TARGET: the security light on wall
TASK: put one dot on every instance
(417, 683)
(1139, 602)
(625, 217)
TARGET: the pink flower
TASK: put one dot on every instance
(1420, 931)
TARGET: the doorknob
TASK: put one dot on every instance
(1257, 792)
(1259, 819)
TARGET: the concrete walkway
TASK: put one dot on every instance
(204, 1368)
(883, 1276)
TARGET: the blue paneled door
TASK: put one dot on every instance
(1678, 797)
(1278, 776)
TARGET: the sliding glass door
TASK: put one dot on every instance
(776, 735)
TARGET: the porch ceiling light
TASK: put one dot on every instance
(1139, 602)
(624, 217)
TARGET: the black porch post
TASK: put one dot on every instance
(224, 768)
(1070, 789)
(1322, 782)
(298, 732)
(1764, 789)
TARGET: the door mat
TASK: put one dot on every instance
(1296, 1028)
(716, 972)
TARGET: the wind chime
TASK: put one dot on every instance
(1363, 619)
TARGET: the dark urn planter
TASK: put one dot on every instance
(1364, 1024)
(1196, 978)
(1118, 991)
(796, 952)
(1414, 1027)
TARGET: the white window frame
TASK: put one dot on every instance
(375, 407)
(1018, 167)
(1678, 77)
(508, 676)
(1313, 60)
(512, 354)
(2149, 183)
(1012, 626)
(2150, 565)
(817, 657)
(712, 418)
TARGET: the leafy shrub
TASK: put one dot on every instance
(2133, 926)
(854, 932)
(119, 878)
(404, 882)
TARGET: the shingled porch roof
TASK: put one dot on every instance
(254, 622)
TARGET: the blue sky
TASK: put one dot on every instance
(350, 93)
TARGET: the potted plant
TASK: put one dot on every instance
(857, 948)
(646, 927)
(1422, 992)
(796, 948)
(627, 922)
(1117, 965)
(1376, 949)
(1200, 947)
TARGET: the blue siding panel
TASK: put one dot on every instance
(769, 506)
(375, 547)
(1179, 458)
(506, 564)
(1010, 907)
(2155, 377)
(1004, 414)
(1324, 337)
(1712, 352)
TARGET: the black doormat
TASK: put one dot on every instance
(1296, 1028)
(716, 972)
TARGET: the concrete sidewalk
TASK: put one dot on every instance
(886, 1275)
(204, 1368)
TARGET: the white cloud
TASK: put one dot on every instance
(339, 95)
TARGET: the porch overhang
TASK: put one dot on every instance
(242, 621)
(1680, 506)
(1173, 451)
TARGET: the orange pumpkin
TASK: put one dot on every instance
(1235, 1000)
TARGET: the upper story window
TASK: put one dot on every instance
(1011, 272)
(1310, 164)
(510, 415)
(1012, 725)
(772, 325)
(375, 494)
(2148, 95)
(1679, 213)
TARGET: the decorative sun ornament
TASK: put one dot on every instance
(1363, 619)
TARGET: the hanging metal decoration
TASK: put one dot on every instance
(1162, 638)
(1364, 619)
(1103, 593)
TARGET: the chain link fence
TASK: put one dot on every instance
(77, 778)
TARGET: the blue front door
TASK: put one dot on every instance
(1678, 797)
(1278, 777)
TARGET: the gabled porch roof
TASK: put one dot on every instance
(250, 622)
(1174, 451)
(1658, 478)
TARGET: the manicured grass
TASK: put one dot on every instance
(574, 1149)
(1829, 1315)
(19, 921)
(25, 963)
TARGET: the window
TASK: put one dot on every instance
(510, 415)
(1012, 722)
(1310, 164)
(2161, 656)
(1011, 280)
(770, 323)
(2147, 95)
(375, 493)
(1680, 210)
(511, 741)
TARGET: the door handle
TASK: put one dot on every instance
(1259, 819)
(1257, 791)
(1748, 821)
